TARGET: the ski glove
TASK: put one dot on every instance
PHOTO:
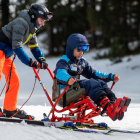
(43, 63)
(34, 64)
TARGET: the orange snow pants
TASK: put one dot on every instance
(10, 101)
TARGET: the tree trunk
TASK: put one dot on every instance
(50, 40)
(5, 12)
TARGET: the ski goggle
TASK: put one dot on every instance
(48, 15)
(83, 47)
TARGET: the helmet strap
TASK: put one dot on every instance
(36, 24)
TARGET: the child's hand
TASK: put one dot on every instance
(71, 81)
(116, 78)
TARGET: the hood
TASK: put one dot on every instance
(24, 14)
(72, 42)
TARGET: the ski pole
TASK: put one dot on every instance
(112, 85)
(42, 85)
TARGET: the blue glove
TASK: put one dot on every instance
(102, 124)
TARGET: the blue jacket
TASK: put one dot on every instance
(68, 66)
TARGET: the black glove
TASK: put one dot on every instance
(43, 63)
(34, 64)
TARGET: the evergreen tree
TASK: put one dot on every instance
(69, 17)
(21, 5)
(119, 23)
(5, 12)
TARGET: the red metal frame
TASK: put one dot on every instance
(77, 111)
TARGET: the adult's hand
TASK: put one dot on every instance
(43, 63)
(34, 64)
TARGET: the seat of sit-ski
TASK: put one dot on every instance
(73, 94)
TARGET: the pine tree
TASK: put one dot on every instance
(69, 18)
(5, 12)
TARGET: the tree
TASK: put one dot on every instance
(69, 17)
(119, 23)
(5, 12)
(20, 5)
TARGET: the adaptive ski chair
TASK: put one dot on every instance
(73, 99)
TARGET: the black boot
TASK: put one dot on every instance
(21, 114)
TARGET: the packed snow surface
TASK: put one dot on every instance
(128, 85)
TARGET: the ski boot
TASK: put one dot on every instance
(21, 114)
(124, 108)
(112, 109)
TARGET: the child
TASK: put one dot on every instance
(73, 64)
(18, 32)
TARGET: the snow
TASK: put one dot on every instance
(38, 104)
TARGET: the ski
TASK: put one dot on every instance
(48, 124)
(108, 128)
(32, 122)
(94, 131)
(61, 126)
(86, 131)
(125, 131)
(91, 127)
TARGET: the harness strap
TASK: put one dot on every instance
(54, 81)
(64, 100)
(64, 96)
(10, 73)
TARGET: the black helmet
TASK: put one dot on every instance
(38, 10)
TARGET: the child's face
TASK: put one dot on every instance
(41, 21)
(78, 54)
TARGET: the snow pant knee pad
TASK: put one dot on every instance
(73, 94)
(98, 97)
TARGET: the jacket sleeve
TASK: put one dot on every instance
(33, 45)
(61, 72)
(33, 42)
(37, 53)
(18, 31)
(89, 72)
(17, 35)
(24, 58)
